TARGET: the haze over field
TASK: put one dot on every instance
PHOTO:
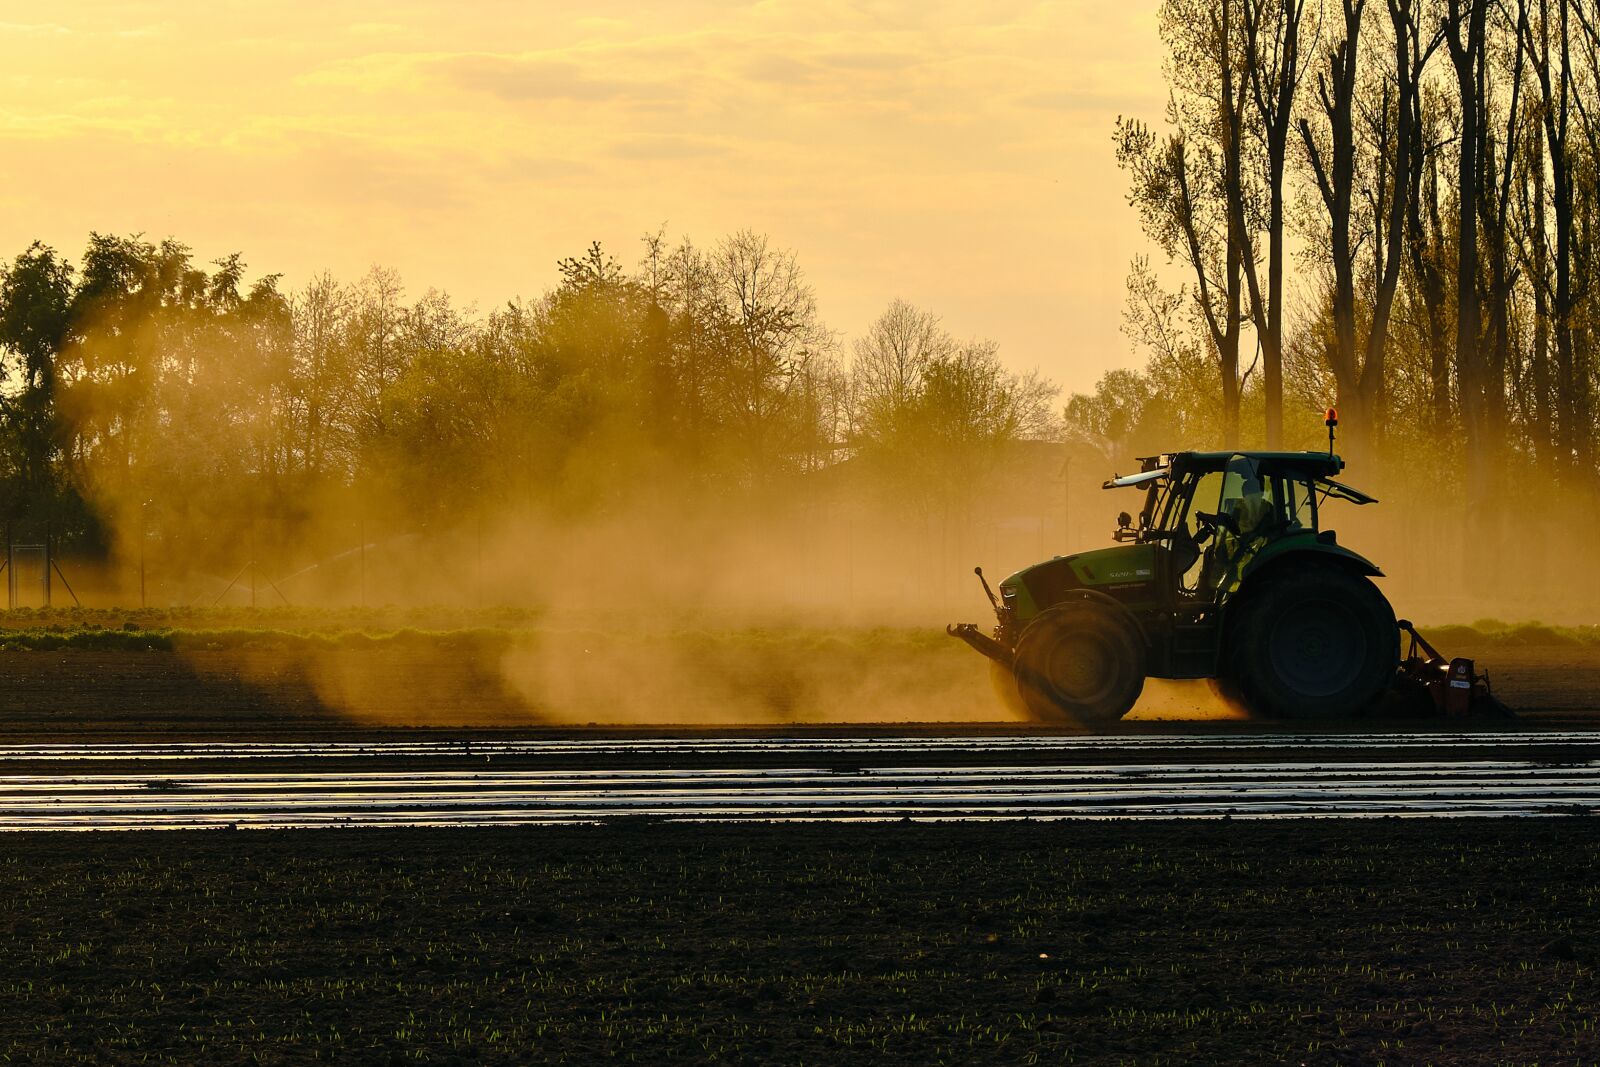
(955, 155)
(889, 254)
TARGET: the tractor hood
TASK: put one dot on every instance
(1126, 572)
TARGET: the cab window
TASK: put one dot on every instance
(1248, 498)
(1208, 492)
(1299, 503)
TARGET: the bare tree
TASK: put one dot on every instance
(1464, 23)
(326, 398)
(893, 356)
(1428, 252)
(1358, 363)
(1190, 185)
(1533, 248)
(776, 333)
(377, 354)
(1272, 61)
(1499, 166)
(1549, 39)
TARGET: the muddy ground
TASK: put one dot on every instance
(1306, 941)
(272, 692)
(1331, 942)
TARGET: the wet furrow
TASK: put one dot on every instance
(1254, 789)
(809, 747)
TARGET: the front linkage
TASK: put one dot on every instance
(1001, 647)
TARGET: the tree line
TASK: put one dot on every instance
(151, 397)
(1393, 207)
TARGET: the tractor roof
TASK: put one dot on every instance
(1315, 464)
(1320, 466)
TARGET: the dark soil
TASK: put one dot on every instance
(58, 695)
(1291, 942)
(262, 690)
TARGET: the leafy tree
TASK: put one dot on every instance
(933, 417)
(35, 298)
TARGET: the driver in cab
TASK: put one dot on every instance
(1252, 509)
(1250, 513)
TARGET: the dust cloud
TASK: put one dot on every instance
(664, 586)
(1165, 698)
(818, 602)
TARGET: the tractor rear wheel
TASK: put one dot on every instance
(1080, 662)
(1313, 643)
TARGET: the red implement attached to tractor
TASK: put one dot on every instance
(1433, 685)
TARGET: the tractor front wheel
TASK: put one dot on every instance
(1314, 643)
(1080, 662)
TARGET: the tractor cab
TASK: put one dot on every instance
(1216, 514)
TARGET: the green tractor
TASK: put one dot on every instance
(1229, 573)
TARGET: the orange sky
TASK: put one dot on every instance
(955, 154)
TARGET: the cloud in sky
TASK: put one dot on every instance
(957, 155)
(32, 29)
(517, 79)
